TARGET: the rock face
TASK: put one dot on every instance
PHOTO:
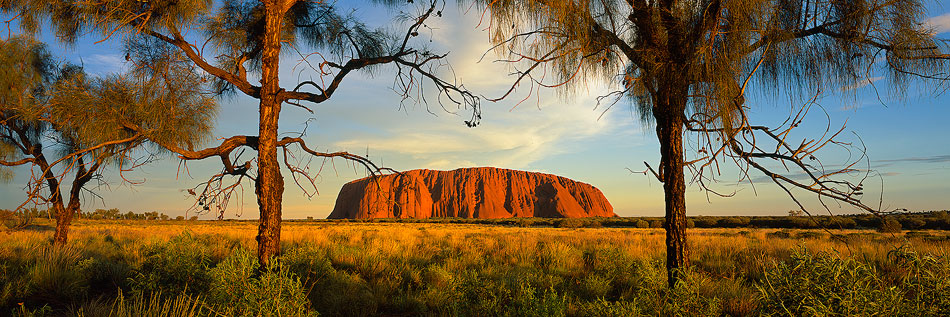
(480, 192)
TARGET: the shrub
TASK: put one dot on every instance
(15, 220)
(706, 222)
(57, 275)
(913, 223)
(569, 223)
(238, 284)
(783, 234)
(923, 282)
(642, 224)
(802, 222)
(525, 222)
(889, 225)
(824, 285)
(733, 222)
(686, 299)
(174, 266)
(842, 222)
(810, 235)
(529, 301)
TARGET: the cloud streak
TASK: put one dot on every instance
(511, 135)
(862, 83)
(918, 159)
(940, 23)
(103, 64)
(512, 140)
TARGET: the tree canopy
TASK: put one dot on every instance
(234, 40)
(60, 122)
(686, 65)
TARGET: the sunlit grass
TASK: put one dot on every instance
(435, 268)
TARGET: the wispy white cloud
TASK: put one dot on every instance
(103, 64)
(941, 158)
(862, 83)
(510, 136)
(939, 24)
(513, 140)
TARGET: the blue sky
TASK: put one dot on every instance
(906, 138)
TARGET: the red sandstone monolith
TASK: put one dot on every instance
(478, 192)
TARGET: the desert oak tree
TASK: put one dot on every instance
(60, 123)
(231, 39)
(686, 66)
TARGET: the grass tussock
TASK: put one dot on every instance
(365, 269)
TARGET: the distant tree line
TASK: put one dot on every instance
(939, 220)
(26, 215)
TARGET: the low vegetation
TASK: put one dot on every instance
(938, 220)
(173, 268)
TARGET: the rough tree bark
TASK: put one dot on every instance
(668, 110)
(670, 133)
(269, 184)
(63, 216)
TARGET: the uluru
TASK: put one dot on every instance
(477, 192)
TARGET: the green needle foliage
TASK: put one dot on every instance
(230, 39)
(60, 122)
(22, 87)
(688, 64)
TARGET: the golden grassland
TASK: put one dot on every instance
(344, 268)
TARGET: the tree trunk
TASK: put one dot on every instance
(64, 217)
(269, 185)
(669, 130)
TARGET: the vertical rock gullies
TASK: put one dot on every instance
(478, 192)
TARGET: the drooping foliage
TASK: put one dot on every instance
(687, 66)
(171, 108)
(720, 46)
(233, 40)
(23, 87)
(233, 32)
(61, 123)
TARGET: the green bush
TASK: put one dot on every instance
(810, 235)
(525, 222)
(706, 222)
(569, 223)
(57, 275)
(10, 220)
(913, 223)
(783, 234)
(180, 264)
(825, 285)
(890, 225)
(841, 223)
(733, 222)
(923, 282)
(238, 285)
